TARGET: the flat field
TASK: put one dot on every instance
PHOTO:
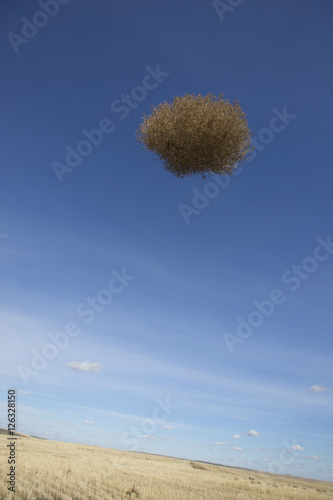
(54, 470)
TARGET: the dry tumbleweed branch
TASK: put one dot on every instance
(197, 135)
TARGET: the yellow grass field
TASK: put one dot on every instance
(54, 470)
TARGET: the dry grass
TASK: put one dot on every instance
(63, 471)
(197, 135)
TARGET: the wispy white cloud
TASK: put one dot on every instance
(312, 457)
(87, 422)
(219, 442)
(236, 436)
(168, 427)
(252, 433)
(296, 447)
(136, 364)
(85, 366)
(319, 388)
(138, 261)
(236, 448)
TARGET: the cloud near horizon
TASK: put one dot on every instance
(85, 366)
(296, 447)
(252, 433)
(312, 457)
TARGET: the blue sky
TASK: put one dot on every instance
(132, 285)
